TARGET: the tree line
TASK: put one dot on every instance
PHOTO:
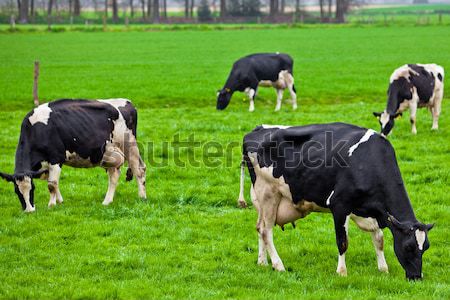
(157, 10)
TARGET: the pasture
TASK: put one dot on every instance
(189, 240)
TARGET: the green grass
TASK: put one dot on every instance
(188, 240)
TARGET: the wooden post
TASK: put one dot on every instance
(440, 18)
(127, 22)
(36, 81)
(104, 23)
(13, 22)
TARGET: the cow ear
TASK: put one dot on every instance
(377, 114)
(7, 177)
(38, 174)
(398, 115)
(426, 227)
(396, 223)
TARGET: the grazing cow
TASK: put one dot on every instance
(264, 69)
(81, 134)
(349, 171)
(413, 86)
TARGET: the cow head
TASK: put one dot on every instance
(24, 187)
(386, 121)
(223, 98)
(410, 242)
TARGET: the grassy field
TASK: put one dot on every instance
(189, 240)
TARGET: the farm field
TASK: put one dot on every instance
(189, 240)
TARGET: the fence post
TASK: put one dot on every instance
(12, 22)
(36, 82)
(127, 22)
(104, 23)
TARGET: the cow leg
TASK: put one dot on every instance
(113, 174)
(290, 85)
(371, 225)
(251, 92)
(268, 211)
(341, 228)
(54, 172)
(137, 166)
(241, 201)
(262, 251)
(412, 116)
(279, 99)
(436, 109)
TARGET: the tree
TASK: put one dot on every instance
(330, 4)
(223, 8)
(155, 11)
(77, 8)
(106, 8)
(23, 11)
(131, 9)
(322, 12)
(273, 9)
(115, 10)
(204, 12)
(340, 11)
(191, 9)
(165, 9)
(186, 9)
(143, 8)
(49, 7)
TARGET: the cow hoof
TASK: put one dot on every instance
(51, 204)
(60, 200)
(277, 109)
(242, 203)
(342, 272)
(384, 269)
(434, 128)
(106, 203)
(263, 263)
(278, 267)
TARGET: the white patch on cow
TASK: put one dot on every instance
(402, 71)
(266, 126)
(364, 139)
(287, 211)
(119, 102)
(41, 114)
(420, 237)
(25, 189)
(384, 119)
(329, 197)
(341, 268)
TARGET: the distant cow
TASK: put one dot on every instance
(413, 86)
(349, 171)
(81, 134)
(265, 69)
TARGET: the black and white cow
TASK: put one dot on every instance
(349, 171)
(263, 69)
(413, 86)
(77, 133)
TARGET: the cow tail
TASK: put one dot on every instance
(293, 88)
(241, 201)
(134, 119)
(129, 174)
